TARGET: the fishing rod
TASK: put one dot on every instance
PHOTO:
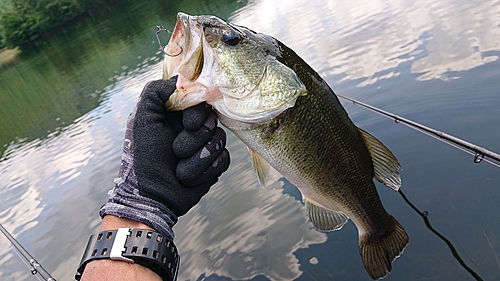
(33, 265)
(479, 152)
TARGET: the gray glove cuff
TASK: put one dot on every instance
(124, 202)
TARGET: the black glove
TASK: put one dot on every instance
(169, 161)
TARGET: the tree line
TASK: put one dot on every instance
(24, 21)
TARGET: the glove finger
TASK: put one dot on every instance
(212, 174)
(174, 120)
(153, 98)
(187, 143)
(163, 89)
(190, 197)
(152, 138)
(194, 117)
(189, 169)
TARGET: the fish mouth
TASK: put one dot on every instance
(175, 45)
(184, 57)
(178, 50)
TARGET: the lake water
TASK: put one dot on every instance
(64, 104)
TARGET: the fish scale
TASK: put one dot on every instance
(345, 155)
(324, 155)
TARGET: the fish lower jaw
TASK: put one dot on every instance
(234, 115)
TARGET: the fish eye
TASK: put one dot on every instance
(231, 39)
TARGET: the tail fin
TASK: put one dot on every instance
(379, 252)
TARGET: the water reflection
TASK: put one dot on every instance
(68, 171)
(367, 40)
(237, 230)
(450, 245)
(60, 80)
(62, 124)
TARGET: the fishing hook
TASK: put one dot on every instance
(160, 29)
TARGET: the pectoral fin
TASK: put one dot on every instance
(385, 164)
(260, 166)
(322, 218)
(280, 86)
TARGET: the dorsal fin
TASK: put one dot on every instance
(322, 218)
(385, 164)
(260, 166)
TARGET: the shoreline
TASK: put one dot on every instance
(8, 55)
(43, 34)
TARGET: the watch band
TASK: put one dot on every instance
(142, 246)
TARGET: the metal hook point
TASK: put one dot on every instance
(180, 52)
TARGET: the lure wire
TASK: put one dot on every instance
(161, 29)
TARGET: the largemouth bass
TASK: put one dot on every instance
(290, 119)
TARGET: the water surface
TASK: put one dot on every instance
(65, 103)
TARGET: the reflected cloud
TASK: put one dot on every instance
(237, 229)
(26, 207)
(368, 40)
(461, 35)
(62, 180)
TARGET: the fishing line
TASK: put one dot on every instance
(425, 216)
(478, 152)
(35, 267)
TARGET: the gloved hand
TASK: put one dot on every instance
(169, 161)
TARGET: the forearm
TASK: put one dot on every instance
(109, 270)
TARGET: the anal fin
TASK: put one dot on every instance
(322, 218)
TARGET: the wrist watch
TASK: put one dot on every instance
(142, 246)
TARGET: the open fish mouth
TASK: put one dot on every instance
(178, 49)
(189, 55)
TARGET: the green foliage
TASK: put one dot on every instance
(4, 4)
(27, 20)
